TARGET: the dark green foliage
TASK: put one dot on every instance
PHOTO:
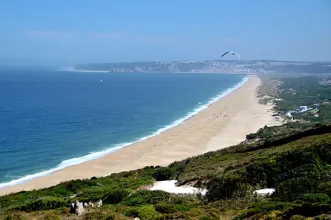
(146, 197)
(164, 173)
(115, 196)
(182, 208)
(325, 187)
(306, 209)
(43, 204)
(316, 198)
(165, 208)
(132, 213)
(291, 189)
(148, 213)
(76, 185)
(226, 187)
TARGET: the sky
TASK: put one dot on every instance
(85, 31)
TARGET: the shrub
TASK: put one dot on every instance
(316, 198)
(165, 208)
(132, 213)
(226, 187)
(43, 204)
(306, 209)
(164, 173)
(146, 197)
(325, 188)
(292, 188)
(182, 208)
(76, 185)
(115, 197)
(251, 136)
(148, 213)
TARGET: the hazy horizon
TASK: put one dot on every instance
(68, 33)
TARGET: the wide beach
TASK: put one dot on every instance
(224, 123)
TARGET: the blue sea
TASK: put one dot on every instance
(51, 119)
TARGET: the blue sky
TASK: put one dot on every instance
(79, 31)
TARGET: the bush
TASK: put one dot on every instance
(115, 197)
(147, 197)
(165, 208)
(43, 204)
(251, 136)
(132, 213)
(147, 213)
(306, 209)
(182, 208)
(316, 198)
(292, 188)
(76, 185)
(226, 187)
(164, 173)
(325, 188)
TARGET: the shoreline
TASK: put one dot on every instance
(95, 155)
(189, 138)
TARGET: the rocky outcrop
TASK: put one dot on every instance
(99, 203)
(77, 208)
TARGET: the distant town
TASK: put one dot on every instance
(213, 66)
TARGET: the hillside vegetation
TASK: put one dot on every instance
(298, 168)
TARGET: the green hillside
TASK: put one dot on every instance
(298, 167)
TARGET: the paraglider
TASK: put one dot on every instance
(232, 53)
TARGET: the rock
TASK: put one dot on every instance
(79, 208)
(85, 204)
(99, 203)
(265, 192)
(136, 218)
(91, 204)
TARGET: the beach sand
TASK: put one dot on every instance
(224, 123)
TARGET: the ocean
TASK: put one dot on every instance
(51, 119)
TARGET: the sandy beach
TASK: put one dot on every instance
(224, 123)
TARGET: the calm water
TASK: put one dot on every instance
(53, 119)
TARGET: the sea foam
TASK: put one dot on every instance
(96, 155)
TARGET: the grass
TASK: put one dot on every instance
(230, 175)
